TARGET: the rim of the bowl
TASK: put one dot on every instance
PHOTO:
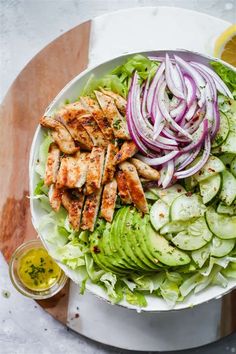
(32, 159)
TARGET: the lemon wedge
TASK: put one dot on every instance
(225, 46)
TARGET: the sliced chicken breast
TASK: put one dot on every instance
(134, 186)
(52, 165)
(123, 188)
(73, 171)
(109, 196)
(128, 149)
(69, 115)
(90, 212)
(95, 170)
(62, 174)
(145, 170)
(73, 203)
(109, 166)
(93, 130)
(60, 135)
(119, 100)
(103, 123)
(116, 120)
(55, 197)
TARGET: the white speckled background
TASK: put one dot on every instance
(26, 26)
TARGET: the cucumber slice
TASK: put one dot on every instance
(226, 158)
(226, 209)
(186, 207)
(222, 226)
(211, 168)
(209, 188)
(220, 248)
(233, 166)
(228, 191)
(222, 132)
(201, 255)
(196, 236)
(159, 214)
(174, 227)
(229, 144)
(190, 183)
(169, 194)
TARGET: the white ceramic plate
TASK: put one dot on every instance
(71, 91)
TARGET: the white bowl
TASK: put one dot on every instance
(71, 91)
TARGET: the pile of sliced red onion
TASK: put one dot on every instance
(174, 116)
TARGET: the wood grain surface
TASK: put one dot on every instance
(32, 91)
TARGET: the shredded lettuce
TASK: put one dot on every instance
(42, 156)
(40, 188)
(135, 298)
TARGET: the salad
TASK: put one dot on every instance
(138, 178)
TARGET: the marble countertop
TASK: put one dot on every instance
(26, 26)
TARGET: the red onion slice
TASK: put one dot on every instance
(192, 170)
(191, 89)
(220, 85)
(169, 174)
(189, 157)
(171, 78)
(152, 87)
(198, 137)
(190, 112)
(158, 160)
(187, 68)
(165, 113)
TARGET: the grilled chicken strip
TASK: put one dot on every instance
(90, 212)
(109, 196)
(60, 135)
(73, 203)
(134, 186)
(93, 130)
(103, 123)
(73, 171)
(52, 165)
(119, 100)
(95, 170)
(55, 195)
(109, 167)
(145, 170)
(123, 188)
(116, 120)
(128, 149)
(69, 115)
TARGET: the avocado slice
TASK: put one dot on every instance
(142, 235)
(128, 245)
(98, 254)
(135, 239)
(161, 249)
(115, 237)
(116, 260)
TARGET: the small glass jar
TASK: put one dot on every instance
(14, 266)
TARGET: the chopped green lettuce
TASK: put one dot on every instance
(226, 74)
(119, 79)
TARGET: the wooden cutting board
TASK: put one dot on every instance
(32, 91)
